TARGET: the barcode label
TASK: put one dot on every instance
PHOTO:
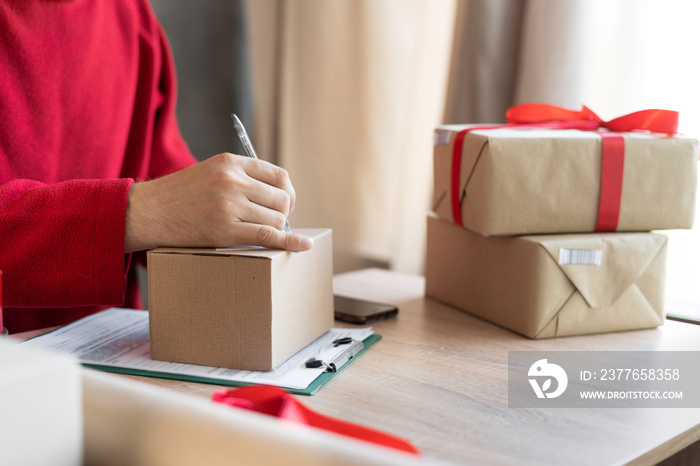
(580, 256)
(441, 138)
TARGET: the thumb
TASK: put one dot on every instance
(270, 237)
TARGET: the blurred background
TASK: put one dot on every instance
(345, 95)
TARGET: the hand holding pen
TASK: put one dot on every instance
(248, 148)
(220, 202)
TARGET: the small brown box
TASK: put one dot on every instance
(549, 285)
(532, 181)
(242, 309)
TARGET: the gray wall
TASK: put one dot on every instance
(208, 39)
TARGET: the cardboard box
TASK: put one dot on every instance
(534, 286)
(525, 181)
(242, 309)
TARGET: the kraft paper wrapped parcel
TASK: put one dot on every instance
(544, 229)
(549, 285)
(515, 181)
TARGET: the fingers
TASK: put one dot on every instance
(262, 192)
(269, 197)
(262, 235)
(273, 176)
(265, 184)
(252, 212)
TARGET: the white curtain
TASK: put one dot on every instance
(349, 93)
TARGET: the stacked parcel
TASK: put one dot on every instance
(545, 231)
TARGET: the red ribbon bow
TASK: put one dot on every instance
(654, 120)
(276, 402)
(536, 115)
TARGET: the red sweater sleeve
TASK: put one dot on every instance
(87, 106)
(63, 244)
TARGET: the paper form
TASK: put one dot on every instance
(119, 338)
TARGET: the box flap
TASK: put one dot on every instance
(236, 251)
(602, 267)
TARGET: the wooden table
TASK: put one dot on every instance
(439, 378)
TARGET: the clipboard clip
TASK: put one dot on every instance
(339, 361)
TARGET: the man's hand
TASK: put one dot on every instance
(222, 201)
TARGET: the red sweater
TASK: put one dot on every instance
(87, 106)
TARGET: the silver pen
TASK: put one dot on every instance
(248, 148)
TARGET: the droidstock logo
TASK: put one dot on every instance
(546, 371)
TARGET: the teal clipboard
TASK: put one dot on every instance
(311, 389)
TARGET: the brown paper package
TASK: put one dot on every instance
(516, 182)
(518, 282)
(246, 309)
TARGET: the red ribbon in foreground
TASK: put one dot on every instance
(276, 402)
(535, 115)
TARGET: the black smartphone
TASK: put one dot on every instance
(357, 311)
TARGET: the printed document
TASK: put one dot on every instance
(119, 338)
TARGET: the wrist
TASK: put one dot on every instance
(137, 236)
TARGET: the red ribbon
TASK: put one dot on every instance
(535, 115)
(276, 402)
